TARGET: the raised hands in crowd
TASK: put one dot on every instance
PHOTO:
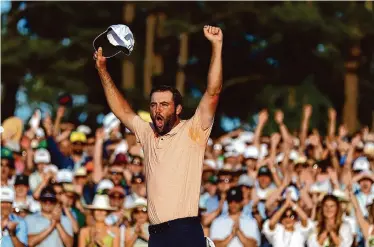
(68, 185)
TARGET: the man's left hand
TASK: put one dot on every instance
(213, 34)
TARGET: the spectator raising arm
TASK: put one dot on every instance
(307, 113)
(332, 123)
(279, 117)
(98, 172)
(117, 103)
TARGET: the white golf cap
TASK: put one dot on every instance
(42, 156)
(6, 194)
(64, 176)
(361, 164)
(251, 153)
(115, 40)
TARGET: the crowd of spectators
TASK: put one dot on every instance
(66, 185)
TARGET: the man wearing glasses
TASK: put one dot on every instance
(173, 150)
(49, 227)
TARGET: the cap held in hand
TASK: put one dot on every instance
(115, 40)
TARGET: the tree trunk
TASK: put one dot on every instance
(8, 100)
(183, 57)
(128, 68)
(351, 90)
(148, 61)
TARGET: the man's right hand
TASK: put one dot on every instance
(100, 60)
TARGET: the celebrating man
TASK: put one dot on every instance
(173, 150)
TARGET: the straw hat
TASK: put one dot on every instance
(101, 202)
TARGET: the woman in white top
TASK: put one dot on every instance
(283, 229)
(366, 226)
(330, 230)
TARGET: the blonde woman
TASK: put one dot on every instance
(100, 234)
(331, 230)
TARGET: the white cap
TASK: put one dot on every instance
(110, 122)
(246, 136)
(361, 164)
(251, 152)
(64, 176)
(42, 156)
(84, 129)
(231, 154)
(121, 39)
(105, 184)
(238, 146)
(139, 202)
(245, 180)
(6, 194)
(211, 163)
(81, 171)
(51, 168)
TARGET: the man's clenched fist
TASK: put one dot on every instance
(100, 59)
(213, 34)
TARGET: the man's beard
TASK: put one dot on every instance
(168, 123)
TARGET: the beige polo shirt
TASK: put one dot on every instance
(173, 167)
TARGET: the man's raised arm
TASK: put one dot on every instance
(117, 103)
(209, 102)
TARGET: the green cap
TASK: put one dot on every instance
(43, 144)
(213, 179)
(6, 153)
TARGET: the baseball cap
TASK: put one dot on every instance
(137, 179)
(120, 159)
(80, 172)
(234, 194)
(48, 194)
(21, 180)
(105, 184)
(6, 153)
(64, 176)
(264, 171)
(6, 194)
(115, 40)
(42, 156)
(246, 181)
(78, 137)
(84, 129)
(361, 164)
(213, 179)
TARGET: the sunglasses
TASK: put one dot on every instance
(139, 210)
(225, 180)
(289, 216)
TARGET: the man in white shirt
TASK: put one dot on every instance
(235, 229)
(42, 158)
